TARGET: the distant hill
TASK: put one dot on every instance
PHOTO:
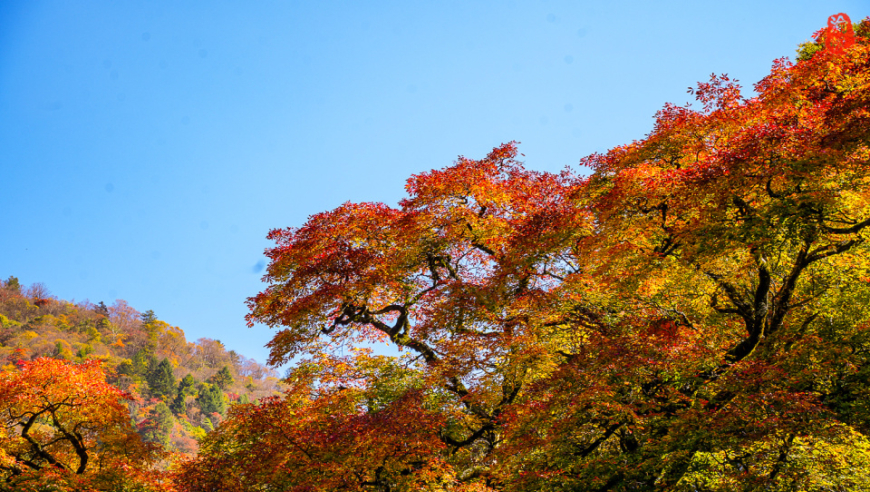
(181, 389)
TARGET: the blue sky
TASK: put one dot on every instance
(146, 148)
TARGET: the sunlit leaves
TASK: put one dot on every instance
(689, 315)
(63, 424)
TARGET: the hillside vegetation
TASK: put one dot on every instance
(180, 389)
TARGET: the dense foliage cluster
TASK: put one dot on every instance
(65, 426)
(689, 316)
(157, 394)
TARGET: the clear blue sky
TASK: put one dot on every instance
(146, 148)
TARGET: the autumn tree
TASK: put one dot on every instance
(334, 447)
(38, 292)
(81, 331)
(62, 424)
(689, 316)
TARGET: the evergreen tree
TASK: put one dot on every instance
(177, 405)
(161, 381)
(125, 368)
(101, 308)
(223, 379)
(150, 324)
(186, 387)
(148, 317)
(158, 426)
(143, 363)
(62, 350)
(85, 350)
(12, 284)
(211, 399)
(103, 311)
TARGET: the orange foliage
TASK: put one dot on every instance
(64, 425)
(646, 326)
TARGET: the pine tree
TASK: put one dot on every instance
(211, 399)
(12, 284)
(186, 387)
(158, 426)
(143, 364)
(223, 379)
(102, 309)
(161, 381)
(148, 317)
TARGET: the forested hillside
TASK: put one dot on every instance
(180, 390)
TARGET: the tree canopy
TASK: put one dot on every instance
(63, 424)
(689, 315)
(685, 312)
(140, 359)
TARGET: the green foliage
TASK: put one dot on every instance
(158, 426)
(161, 380)
(143, 363)
(8, 323)
(102, 309)
(164, 417)
(390, 379)
(211, 399)
(12, 284)
(186, 387)
(808, 49)
(93, 334)
(148, 317)
(62, 350)
(84, 351)
(177, 405)
(198, 433)
(223, 378)
(125, 368)
(83, 325)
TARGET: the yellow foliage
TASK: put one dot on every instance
(27, 335)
